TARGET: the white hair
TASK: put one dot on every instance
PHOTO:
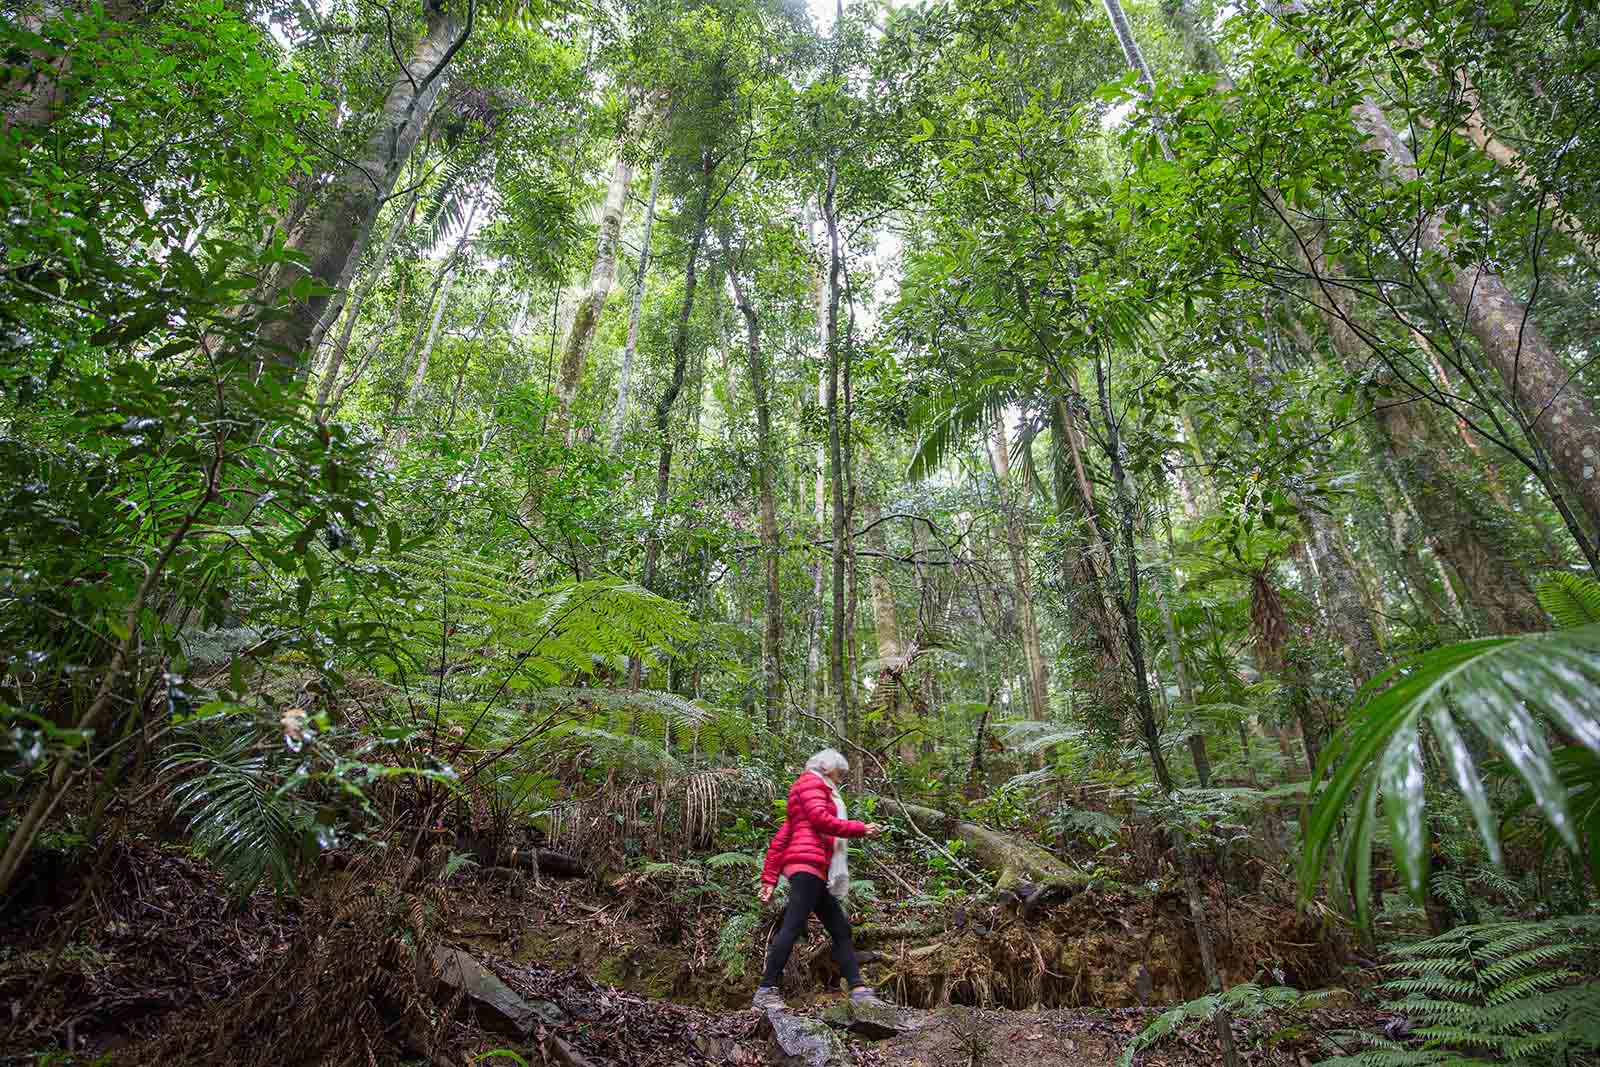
(827, 761)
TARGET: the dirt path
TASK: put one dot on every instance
(957, 1037)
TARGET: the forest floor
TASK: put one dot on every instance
(136, 955)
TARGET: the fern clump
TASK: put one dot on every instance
(1244, 1000)
(1499, 993)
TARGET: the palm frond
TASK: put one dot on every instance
(1492, 685)
(228, 793)
(950, 421)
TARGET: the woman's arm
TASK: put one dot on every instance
(780, 842)
(818, 810)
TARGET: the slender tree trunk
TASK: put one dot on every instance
(1476, 127)
(403, 411)
(336, 397)
(669, 397)
(587, 310)
(1341, 601)
(334, 235)
(466, 362)
(1127, 603)
(771, 549)
(830, 328)
(352, 313)
(619, 416)
(1549, 401)
(1180, 670)
(1022, 572)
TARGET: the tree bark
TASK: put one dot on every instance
(1022, 572)
(830, 334)
(1550, 402)
(352, 313)
(619, 416)
(669, 396)
(333, 236)
(587, 310)
(771, 549)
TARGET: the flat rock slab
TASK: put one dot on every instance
(799, 1041)
(874, 1022)
(489, 1000)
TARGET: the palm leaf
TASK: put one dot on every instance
(1491, 686)
(950, 421)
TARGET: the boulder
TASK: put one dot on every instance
(873, 1021)
(798, 1041)
(490, 1001)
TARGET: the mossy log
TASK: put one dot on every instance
(1026, 870)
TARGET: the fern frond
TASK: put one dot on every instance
(1571, 599)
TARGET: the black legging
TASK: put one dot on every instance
(807, 894)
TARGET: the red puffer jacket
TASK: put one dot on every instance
(805, 840)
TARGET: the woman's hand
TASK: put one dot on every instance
(766, 894)
(874, 829)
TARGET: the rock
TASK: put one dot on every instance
(801, 1042)
(874, 1022)
(485, 996)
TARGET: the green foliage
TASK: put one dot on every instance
(1571, 599)
(1506, 993)
(240, 812)
(1491, 685)
(1241, 1001)
(733, 942)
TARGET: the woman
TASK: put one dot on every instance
(809, 850)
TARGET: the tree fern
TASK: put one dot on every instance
(1503, 993)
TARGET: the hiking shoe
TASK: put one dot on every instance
(869, 998)
(766, 998)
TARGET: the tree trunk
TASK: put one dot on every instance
(619, 416)
(398, 434)
(586, 313)
(336, 397)
(1180, 671)
(352, 313)
(444, 281)
(1341, 601)
(830, 334)
(1475, 126)
(1550, 403)
(1452, 517)
(771, 549)
(1022, 573)
(1127, 604)
(1022, 865)
(669, 396)
(333, 237)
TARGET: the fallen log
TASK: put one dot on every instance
(539, 861)
(1027, 871)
